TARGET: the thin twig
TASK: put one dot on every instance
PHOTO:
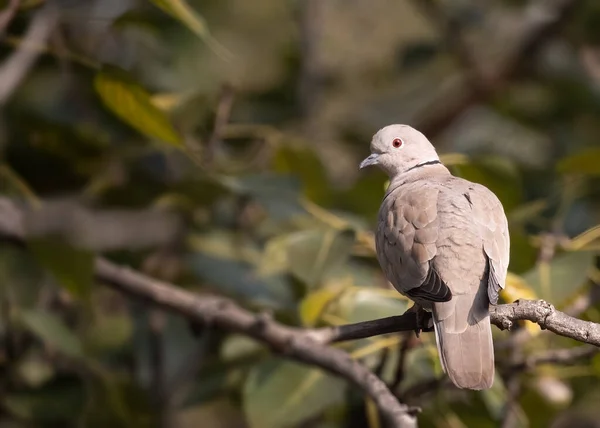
(179, 383)
(16, 67)
(156, 322)
(411, 394)
(503, 316)
(556, 356)
(405, 346)
(452, 33)
(223, 112)
(540, 20)
(8, 14)
(512, 381)
(510, 417)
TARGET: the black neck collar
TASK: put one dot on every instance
(432, 162)
(419, 165)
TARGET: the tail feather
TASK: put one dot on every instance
(464, 340)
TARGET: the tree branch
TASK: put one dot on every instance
(308, 345)
(287, 341)
(453, 36)
(548, 318)
(226, 314)
(8, 14)
(16, 67)
(222, 115)
(539, 20)
(556, 356)
(503, 316)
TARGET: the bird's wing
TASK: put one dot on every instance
(489, 216)
(406, 242)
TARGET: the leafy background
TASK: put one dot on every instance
(119, 141)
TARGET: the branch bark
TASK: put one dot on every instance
(16, 67)
(287, 341)
(503, 316)
(8, 14)
(226, 314)
(556, 356)
(306, 345)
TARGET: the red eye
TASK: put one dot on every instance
(397, 143)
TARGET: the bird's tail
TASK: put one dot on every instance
(464, 340)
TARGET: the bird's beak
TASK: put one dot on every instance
(371, 160)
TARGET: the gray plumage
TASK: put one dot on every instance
(443, 242)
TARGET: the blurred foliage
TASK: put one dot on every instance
(124, 109)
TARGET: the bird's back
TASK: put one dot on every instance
(423, 222)
(431, 249)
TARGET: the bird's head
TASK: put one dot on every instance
(399, 148)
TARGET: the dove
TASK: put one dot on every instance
(443, 242)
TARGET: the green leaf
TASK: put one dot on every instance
(562, 278)
(61, 400)
(180, 10)
(72, 268)
(238, 346)
(240, 279)
(368, 303)
(585, 162)
(117, 401)
(495, 397)
(20, 275)
(109, 332)
(132, 104)
(312, 254)
(34, 369)
(364, 197)
(302, 161)
(315, 303)
(280, 393)
(277, 193)
(523, 255)
(135, 19)
(52, 331)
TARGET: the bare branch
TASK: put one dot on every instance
(100, 229)
(503, 316)
(226, 314)
(287, 341)
(7, 14)
(452, 33)
(156, 341)
(310, 346)
(556, 356)
(361, 330)
(540, 19)
(407, 343)
(223, 112)
(548, 318)
(16, 67)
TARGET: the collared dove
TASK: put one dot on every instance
(443, 242)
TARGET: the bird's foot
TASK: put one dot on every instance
(423, 319)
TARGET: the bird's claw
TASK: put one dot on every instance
(422, 319)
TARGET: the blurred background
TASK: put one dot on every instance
(215, 145)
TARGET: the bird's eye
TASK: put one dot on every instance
(397, 143)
